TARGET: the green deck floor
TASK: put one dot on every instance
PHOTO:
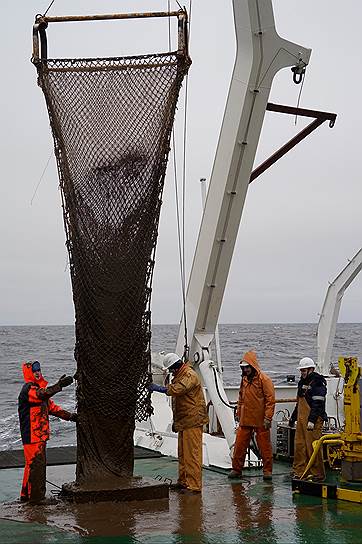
(247, 511)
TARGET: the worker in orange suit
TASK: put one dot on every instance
(189, 416)
(255, 412)
(34, 407)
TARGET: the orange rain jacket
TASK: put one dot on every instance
(33, 411)
(188, 402)
(256, 399)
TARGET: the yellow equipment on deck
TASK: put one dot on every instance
(350, 452)
(344, 447)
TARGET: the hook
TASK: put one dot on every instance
(298, 73)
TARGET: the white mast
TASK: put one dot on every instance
(329, 315)
(260, 54)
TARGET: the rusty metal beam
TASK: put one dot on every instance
(302, 112)
(319, 118)
(41, 24)
(106, 16)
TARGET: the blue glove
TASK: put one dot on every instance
(159, 388)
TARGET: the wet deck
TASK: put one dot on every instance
(247, 511)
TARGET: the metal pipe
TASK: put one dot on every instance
(285, 148)
(279, 401)
(319, 116)
(327, 438)
(41, 24)
(107, 16)
(301, 112)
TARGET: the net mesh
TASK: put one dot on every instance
(111, 121)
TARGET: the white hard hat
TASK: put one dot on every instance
(170, 359)
(306, 362)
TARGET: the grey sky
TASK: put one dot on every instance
(302, 219)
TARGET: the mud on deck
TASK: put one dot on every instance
(244, 511)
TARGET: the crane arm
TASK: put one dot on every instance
(260, 54)
(330, 311)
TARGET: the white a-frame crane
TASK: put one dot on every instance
(260, 54)
(329, 314)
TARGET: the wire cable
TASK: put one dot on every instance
(300, 94)
(50, 5)
(186, 347)
(180, 217)
(51, 483)
(41, 177)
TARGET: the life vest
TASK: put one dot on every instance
(34, 412)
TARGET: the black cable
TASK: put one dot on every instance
(50, 5)
(254, 447)
(218, 392)
(55, 485)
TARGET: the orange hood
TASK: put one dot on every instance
(29, 375)
(251, 358)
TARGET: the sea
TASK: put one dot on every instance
(278, 346)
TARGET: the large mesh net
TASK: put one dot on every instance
(111, 121)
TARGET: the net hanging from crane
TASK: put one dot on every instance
(111, 121)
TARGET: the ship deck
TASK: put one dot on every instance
(242, 511)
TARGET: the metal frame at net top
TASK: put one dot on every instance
(40, 45)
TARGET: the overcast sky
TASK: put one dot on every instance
(302, 218)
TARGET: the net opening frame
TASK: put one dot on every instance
(40, 43)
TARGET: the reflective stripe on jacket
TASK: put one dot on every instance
(256, 398)
(188, 402)
(34, 412)
(314, 389)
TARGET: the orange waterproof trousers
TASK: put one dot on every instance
(34, 480)
(190, 458)
(243, 437)
(303, 441)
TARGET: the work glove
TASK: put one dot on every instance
(267, 423)
(310, 426)
(159, 388)
(73, 417)
(64, 381)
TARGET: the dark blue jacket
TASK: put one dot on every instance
(314, 389)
